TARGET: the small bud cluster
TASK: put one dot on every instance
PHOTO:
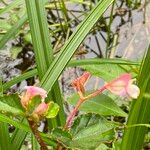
(26, 99)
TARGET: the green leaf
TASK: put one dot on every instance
(61, 135)
(4, 25)
(88, 131)
(15, 51)
(100, 104)
(20, 78)
(109, 72)
(72, 63)
(11, 6)
(35, 144)
(13, 31)
(12, 100)
(101, 61)
(4, 137)
(52, 111)
(4, 118)
(102, 147)
(11, 104)
(18, 137)
(133, 138)
(43, 49)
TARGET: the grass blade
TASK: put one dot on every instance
(72, 63)
(42, 47)
(35, 145)
(18, 137)
(72, 44)
(17, 124)
(134, 137)
(4, 137)
(11, 6)
(13, 31)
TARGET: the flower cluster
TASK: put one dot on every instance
(31, 92)
(121, 86)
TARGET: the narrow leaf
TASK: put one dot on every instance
(72, 44)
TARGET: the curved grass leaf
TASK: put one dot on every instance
(43, 49)
(4, 137)
(20, 78)
(18, 137)
(109, 72)
(72, 63)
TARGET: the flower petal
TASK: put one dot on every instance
(41, 109)
(133, 91)
(119, 85)
(34, 91)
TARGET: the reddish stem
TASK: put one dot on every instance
(72, 114)
(81, 100)
(36, 133)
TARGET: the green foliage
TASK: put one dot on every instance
(53, 110)
(90, 130)
(109, 72)
(101, 104)
(87, 132)
(72, 44)
(43, 49)
(139, 114)
(10, 104)
(12, 31)
(14, 122)
(4, 136)
(73, 63)
(18, 137)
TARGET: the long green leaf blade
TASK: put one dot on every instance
(11, 6)
(72, 63)
(140, 113)
(13, 31)
(72, 44)
(4, 137)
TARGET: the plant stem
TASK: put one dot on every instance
(35, 131)
(73, 113)
(81, 100)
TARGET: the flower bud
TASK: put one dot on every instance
(41, 109)
(30, 93)
(80, 82)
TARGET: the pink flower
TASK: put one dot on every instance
(80, 82)
(30, 93)
(41, 109)
(123, 86)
